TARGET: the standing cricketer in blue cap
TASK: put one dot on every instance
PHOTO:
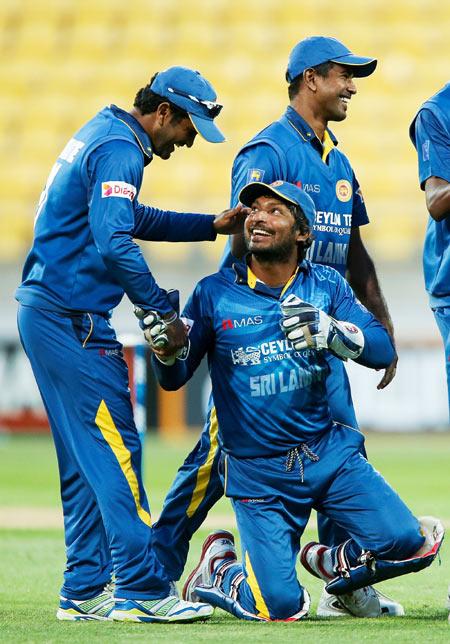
(301, 149)
(282, 452)
(83, 260)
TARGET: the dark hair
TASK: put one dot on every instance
(303, 226)
(147, 101)
(322, 70)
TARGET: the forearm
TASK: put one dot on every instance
(362, 277)
(437, 194)
(378, 352)
(172, 377)
(153, 224)
(369, 293)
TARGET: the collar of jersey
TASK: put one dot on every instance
(140, 134)
(305, 131)
(245, 276)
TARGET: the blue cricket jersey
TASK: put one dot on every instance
(268, 396)
(430, 134)
(289, 150)
(83, 256)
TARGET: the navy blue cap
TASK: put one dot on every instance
(316, 50)
(188, 90)
(287, 191)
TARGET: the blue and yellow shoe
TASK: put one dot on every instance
(95, 608)
(168, 609)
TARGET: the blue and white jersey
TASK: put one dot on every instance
(83, 256)
(268, 396)
(430, 134)
(289, 150)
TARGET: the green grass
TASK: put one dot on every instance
(31, 561)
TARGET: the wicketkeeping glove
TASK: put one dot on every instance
(155, 328)
(307, 327)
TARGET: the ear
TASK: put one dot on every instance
(163, 113)
(309, 79)
(301, 237)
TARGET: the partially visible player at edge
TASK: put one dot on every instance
(82, 262)
(430, 134)
(298, 148)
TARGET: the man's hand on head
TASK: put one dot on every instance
(231, 222)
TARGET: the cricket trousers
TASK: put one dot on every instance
(442, 317)
(272, 499)
(197, 486)
(83, 379)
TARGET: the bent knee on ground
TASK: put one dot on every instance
(401, 544)
(282, 604)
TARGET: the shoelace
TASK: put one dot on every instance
(295, 454)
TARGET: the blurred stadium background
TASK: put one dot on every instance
(63, 60)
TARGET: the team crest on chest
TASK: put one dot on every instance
(344, 190)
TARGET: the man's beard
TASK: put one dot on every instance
(278, 254)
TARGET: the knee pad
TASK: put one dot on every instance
(370, 570)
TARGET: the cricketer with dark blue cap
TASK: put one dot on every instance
(317, 50)
(82, 262)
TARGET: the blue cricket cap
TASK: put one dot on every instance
(188, 90)
(282, 189)
(316, 50)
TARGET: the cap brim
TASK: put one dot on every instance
(360, 65)
(252, 191)
(207, 129)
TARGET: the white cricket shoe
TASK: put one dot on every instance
(218, 548)
(97, 608)
(167, 609)
(344, 605)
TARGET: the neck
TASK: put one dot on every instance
(310, 114)
(273, 273)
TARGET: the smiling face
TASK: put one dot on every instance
(270, 230)
(173, 133)
(334, 91)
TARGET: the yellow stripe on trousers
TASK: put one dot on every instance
(110, 433)
(204, 471)
(260, 604)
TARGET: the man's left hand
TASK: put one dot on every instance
(231, 221)
(389, 374)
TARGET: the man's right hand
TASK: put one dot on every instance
(166, 334)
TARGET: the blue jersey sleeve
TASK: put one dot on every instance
(359, 212)
(378, 352)
(432, 142)
(115, 177)
(201, 336)
(153, 224)
(259, 162)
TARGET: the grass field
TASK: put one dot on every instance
(31, 559)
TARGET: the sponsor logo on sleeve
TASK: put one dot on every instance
(118, 189)
(426, 150)
(255, 174)
(343, 190)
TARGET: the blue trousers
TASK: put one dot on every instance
(272, 507)
(442, 317)
(83, 379)
(197, 486)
